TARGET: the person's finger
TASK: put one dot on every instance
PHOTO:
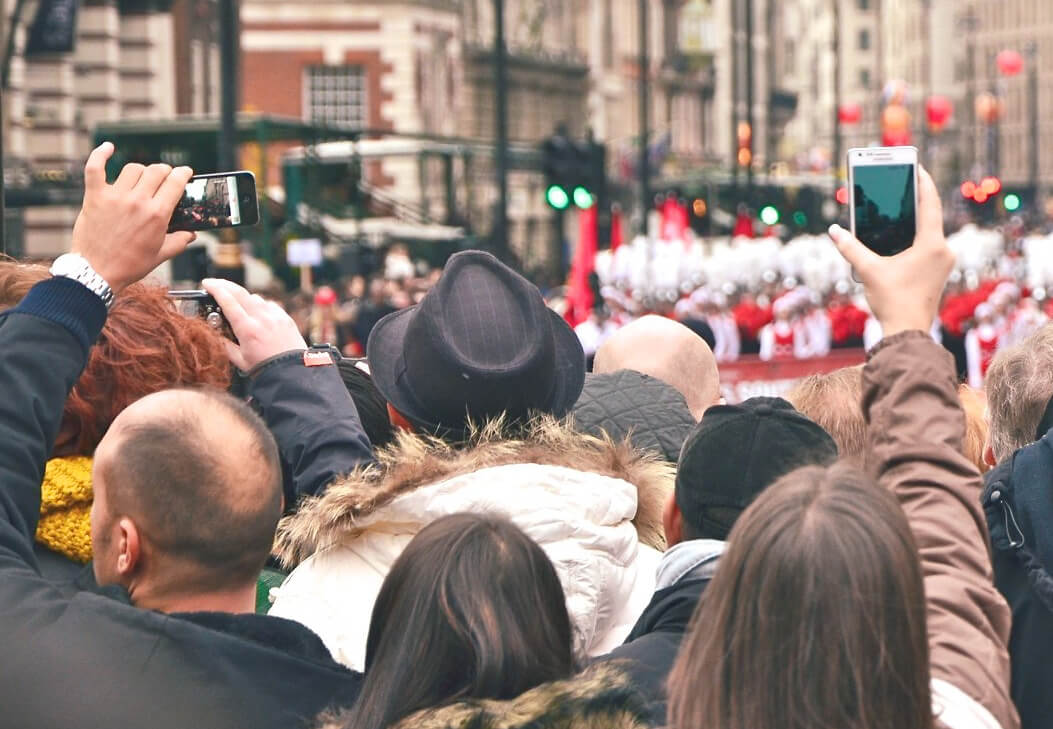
(152, 178)
(129, 177)
(174, 244)
(95, 167)
(224, 292)
(930, 208)
(234, 353)
(172, 188)
(853, 251)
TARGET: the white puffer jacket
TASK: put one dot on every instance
(583, 519)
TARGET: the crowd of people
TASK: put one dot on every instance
(465, 528)
(799, 300)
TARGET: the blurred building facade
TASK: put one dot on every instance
(831, 56)
(132, 59)
(423, 68)
(949, 47)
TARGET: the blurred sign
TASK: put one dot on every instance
(54, 28)
(699, 33)
(752, 377)
(304, 252)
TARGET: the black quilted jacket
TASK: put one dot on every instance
(627, 403)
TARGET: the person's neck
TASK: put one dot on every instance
(238, 601)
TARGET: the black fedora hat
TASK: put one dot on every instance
(480, 343)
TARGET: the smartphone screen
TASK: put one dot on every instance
(883, 199)
(224, 200)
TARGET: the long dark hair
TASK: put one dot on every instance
(472, 608)
(815, 618)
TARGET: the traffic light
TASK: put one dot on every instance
(744, 133)
(769, 215)
(557, 197)
(575, 172)
(557, 163)
(1011, 202)
(698, 216)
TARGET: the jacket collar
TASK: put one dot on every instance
(414, 461)
(696, 559)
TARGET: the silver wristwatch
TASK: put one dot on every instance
(76, 267)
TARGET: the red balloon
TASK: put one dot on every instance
(1010, 63)
(850, 113)
(938, 111)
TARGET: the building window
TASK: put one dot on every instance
(864, 4)
(864, 40)
(864, 78)
(335, 95)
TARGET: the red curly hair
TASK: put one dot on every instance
(146, 346)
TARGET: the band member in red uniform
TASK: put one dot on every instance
(783, 338)
(981, 344)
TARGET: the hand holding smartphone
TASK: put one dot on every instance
(883, 187)
(222, 200)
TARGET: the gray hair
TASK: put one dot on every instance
(1019, 385)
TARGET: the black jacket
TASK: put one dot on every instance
(92, 660)
(313, 419)
(652, 646)
(626, 403)
(1020, 520)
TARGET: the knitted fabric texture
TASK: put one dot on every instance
(65, 508)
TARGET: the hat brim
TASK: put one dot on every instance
(385, 352)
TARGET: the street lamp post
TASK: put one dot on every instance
(500, 237)
(228, 263)
(1033, 130)
(644, 172)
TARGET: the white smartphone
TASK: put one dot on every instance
(883, 188)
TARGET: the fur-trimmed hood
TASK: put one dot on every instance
(594, 506)
(415, 460)
(600, 698)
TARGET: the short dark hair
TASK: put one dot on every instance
(198, 501)
(472, 609)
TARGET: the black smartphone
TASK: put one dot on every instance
(883, 188)
(222, 200)
(200, 304)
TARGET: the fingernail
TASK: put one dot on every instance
(834, 231)
(183, 168)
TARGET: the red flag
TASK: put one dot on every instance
(579, 295)
(616, 229)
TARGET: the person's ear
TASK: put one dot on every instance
(398, 420)
(672, 521)
(129, 548)
(989, 456)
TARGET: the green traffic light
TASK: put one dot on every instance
(582, 198)
(800, 219)
(769, 215)
(557, 197)
(1011, 202)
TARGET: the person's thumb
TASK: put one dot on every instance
(236, 356)
(930, 208)
(857, 254)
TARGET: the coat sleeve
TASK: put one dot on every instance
(915, 428)
(44, 345)
(314, 420)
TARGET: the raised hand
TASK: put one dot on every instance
(121, 228)
(263, 328)
(904, 290)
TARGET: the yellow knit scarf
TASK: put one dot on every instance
(65, 508)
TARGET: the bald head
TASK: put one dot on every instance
(198, 473)
(667, 351)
